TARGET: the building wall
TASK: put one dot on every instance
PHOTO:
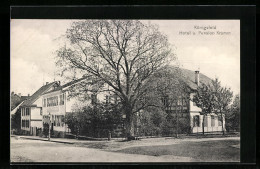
(37, 124)
(194, 110)
(36, 113)
(193, 107)
(54, 111)
(38, 102)
(36, 117)
(57, 110)
(209, 125)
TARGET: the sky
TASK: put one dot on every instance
(216, 54)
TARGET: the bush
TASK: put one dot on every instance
(94, 121)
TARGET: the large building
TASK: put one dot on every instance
(185, 108)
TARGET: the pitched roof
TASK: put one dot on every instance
(66, 85)
(189, 78)
(37, 94)
(16, 108)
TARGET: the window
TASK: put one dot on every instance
(62, 99)
(93, 98)
(26, 123)
(54, 120)
(219, 121)
(212, 121)
(196, 121)
(41, 112)
(62, 119)
(56, 101)
(52, 101)
(58, 120)
(27, 112)
(165, 101)
(108, 99)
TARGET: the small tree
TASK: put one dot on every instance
(16, 120)
(233, 115)
(223, 97)
(94, 121)
(205, 99)
(151, 121)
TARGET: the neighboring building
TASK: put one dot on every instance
(57, 103)
(185, 108)
(31, 110)
(16, 100)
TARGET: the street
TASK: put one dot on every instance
(42, 151)
(24, 150)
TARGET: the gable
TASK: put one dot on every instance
(31, 101)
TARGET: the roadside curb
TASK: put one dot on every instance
(41, 139)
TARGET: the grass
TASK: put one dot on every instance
(203, 151)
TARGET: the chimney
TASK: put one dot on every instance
(197, 77)
(59, 83)
(28, 95)
(19, 94)
(47, 83)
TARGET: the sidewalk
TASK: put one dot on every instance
(57, 140)
(117, 144)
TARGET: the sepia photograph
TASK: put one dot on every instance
(113, 91)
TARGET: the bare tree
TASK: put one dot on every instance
(120, 53)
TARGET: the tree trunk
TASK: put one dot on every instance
(177, 124)
(222, 124)
(129, 123)
(203, 124)
(129, 129)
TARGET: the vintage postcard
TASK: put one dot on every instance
(95, 90)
